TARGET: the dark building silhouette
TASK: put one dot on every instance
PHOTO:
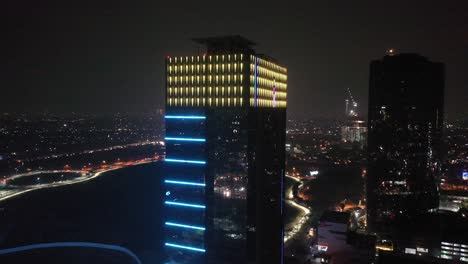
(225, 155)
(406, 95)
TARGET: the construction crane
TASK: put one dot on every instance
(351, 109)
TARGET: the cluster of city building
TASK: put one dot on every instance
(32, 142)
(226, 148)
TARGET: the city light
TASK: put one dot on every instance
(186, 161)
(185, 139)
(185, 247)
(185, 183)
(185, 226)
(185, 205)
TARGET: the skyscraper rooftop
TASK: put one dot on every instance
(226, 44)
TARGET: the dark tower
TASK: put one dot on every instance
(225, 156)
(406, 95)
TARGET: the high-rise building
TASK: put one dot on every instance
(354, 132)
(406, 95)
(225, 155)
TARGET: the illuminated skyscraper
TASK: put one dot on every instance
(406, 95)
(225, 156)
(354, 131)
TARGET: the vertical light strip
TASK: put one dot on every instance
(274, 93)
(282, 217)
(255, 81)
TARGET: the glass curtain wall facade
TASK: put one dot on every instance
(406, 95)
(225, 138)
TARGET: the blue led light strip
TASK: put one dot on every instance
(185, 226)
(187, 161)
(185, 204)
(185, 139)
(185, 247)
(184, 117)
(185, 183)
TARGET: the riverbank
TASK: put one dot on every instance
(120, 207)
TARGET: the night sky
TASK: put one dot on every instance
(108, 56)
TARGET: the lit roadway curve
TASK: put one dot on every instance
(301, 219)
(7, 194)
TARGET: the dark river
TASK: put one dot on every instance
(121, 207)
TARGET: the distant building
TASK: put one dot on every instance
(354, 132)
(435, 237)
(406, 95)
(225, 155)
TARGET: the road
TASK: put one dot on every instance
(301, 219)
(85, 176)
